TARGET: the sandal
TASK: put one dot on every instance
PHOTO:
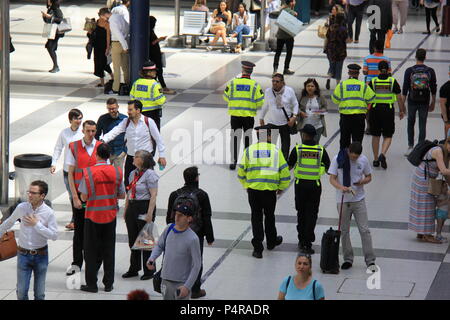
(430, 238)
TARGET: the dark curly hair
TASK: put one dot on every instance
(311, 80)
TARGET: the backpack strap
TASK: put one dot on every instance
(146, 122)
(128, 123)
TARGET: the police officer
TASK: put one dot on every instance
(244, 96)
(263, 171)
(147, 90)
(352, 96)
(311, 161)
(101, 187)
(382, 112)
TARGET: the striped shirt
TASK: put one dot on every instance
(370, 65)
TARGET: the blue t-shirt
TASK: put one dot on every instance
(293, 293)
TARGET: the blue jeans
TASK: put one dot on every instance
(335, 69)
(241, 30)
(27, 263)
(423, 115)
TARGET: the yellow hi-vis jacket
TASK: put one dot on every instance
(309, 162)
(263, 167)
(352, 96)
(384, 91)
(244, 97)
(149, 92)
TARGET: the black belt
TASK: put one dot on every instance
(41, 251)
(137, 201)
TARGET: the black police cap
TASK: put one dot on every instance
(248, 65)
(354, 67)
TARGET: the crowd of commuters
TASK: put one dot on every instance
(96, 152)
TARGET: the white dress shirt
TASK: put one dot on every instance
(36, 237)
(138, 137)
(65, 137)
(70, 159)
(120, 29)
(123, 11)
(276, 115)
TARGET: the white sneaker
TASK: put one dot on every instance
(72, 269)
(408, 151)
(208, 48)
(373, 268)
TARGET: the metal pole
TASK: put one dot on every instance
(263, 20)
(4, 101)
(177, 18)
(139, 37)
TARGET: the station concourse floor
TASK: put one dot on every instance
(194, 121)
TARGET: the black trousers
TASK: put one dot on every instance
(129, 166)
(239, 126)
(262, 204)
(352, 128)
(376, 34)
(52, 46)
(197, 285)
(307, 201)
(155, 115)
(431, 12)
(285, 137)
(289, 48)
(355, 13)
(99, 247)
(160, 76)
(316, 5)
(134, 225)
(78, 235)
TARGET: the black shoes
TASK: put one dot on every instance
(257, 255)
(372, 267)
(200, 294)
(346, 265)
(327, 85)
(233, 166)
(147, 277)
(307, 250)
(278, 241)
(288, 72)
(426, 32)
(382, 160)
(129, 274)
(109, 289)
(54, 70)
(376, 163)
(89, 289)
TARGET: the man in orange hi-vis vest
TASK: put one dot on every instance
(101, 187)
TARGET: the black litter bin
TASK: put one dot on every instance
(30, 167)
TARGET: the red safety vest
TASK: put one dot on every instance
(82, 159)
(102, 182)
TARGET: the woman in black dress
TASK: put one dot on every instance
(156, 56)
(53, 15)
(101, 40)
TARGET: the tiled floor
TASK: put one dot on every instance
(195, 124)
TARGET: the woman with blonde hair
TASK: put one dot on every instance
(302, 286)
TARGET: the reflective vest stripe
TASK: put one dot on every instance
(282, 167)
(353, 98)
(76, 148)
(241, 108)
(310, 166)
(263, 180)
(307, 173)
(106, 208)
(262, 168)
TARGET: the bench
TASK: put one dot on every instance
(194, 25)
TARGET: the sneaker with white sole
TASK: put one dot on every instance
(408, 151)
(441, 238)
(208, 48)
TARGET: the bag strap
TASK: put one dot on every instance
(314, 289)
(340, 212)
(172, 226)
(285, 114)
(287, 283)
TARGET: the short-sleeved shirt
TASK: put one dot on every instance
(371, 65)
(444, 92)
(149, 180)
(358, 170)
(294, 293)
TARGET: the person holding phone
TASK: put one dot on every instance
(140, 208)
(349, 180)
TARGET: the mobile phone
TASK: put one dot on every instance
(142, 217)
(178, 292)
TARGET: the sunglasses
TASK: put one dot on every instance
(33, 193)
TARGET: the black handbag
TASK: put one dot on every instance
(157, 280)
(292, 130)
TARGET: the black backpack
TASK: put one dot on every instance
(420, 150)
(183, 196)
(420, 85)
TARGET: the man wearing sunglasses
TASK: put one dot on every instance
(37, 225)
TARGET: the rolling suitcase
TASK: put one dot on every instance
(329, 252)
(445, 21)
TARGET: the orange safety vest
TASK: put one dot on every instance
(102, 182)
(82, 159)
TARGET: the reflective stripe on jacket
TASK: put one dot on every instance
(244, 97)
(82, 159)
(149, 92)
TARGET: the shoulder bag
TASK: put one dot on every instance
(65, 25)
(292, 130)
(8, 246)
(157, 280)
(322, 31)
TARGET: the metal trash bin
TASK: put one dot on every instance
(30, 167)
